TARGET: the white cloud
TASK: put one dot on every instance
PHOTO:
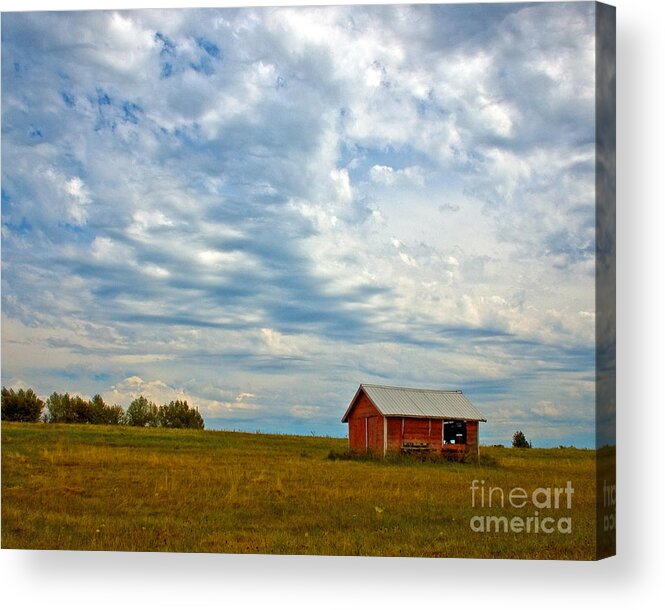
(304, 412)
(384, 174)
(155, 271)
(546, 409)
(80, 198)
(160, 393)
(342, 186)
(244, 395)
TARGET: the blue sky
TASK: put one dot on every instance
(259, 209)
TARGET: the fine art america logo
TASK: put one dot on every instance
(526, 507)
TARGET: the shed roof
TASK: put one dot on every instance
(412, 402)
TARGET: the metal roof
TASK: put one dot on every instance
(411, 402)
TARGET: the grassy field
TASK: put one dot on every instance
(119, 488)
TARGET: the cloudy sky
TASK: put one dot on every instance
(259, 209)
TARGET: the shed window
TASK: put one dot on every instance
(454, 433)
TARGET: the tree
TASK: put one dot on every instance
(141, 412)
(21, 406)
(59, 409)
(178, 414)
(114, 415)
(519, 440)
(66, 409)
(101, 413)
(82, 410)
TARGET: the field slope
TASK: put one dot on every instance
(119, 488)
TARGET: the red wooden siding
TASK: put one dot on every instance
(394, 433)
(413, 430)
(365, 427)
(417, 430)
(472, 434)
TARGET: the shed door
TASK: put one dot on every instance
(373, 432)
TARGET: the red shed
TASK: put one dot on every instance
(384, 418)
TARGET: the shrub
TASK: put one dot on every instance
(342, 455)
(21, 406)
(487, 460)
(519, 440)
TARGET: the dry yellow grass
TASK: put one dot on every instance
(118, 488)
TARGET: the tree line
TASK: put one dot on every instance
(26, 406)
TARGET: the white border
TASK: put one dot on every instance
(109, 580)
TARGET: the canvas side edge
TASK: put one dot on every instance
(605, 280)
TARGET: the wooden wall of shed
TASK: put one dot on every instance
(423, 430)
(415, 429)
(437, 433)
(394, 433)
(472, 434)
(364, 414)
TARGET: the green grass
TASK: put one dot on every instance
(119, 488)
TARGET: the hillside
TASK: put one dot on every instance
(129, 489)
